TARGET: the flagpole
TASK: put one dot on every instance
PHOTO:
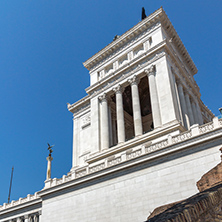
(10, 185)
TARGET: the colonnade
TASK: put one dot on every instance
(137, 118)
(189, 105)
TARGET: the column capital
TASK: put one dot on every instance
(134, 80)
(151, 70)
(118, 89)
(103, 97)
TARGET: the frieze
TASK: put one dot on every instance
(81, 173)
(133, 154)
(113, 161)
(129, 72)
(181, 137)
(96, 168)
(156, 146)
(126, 45)
(206, 128)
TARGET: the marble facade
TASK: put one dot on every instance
(150, 135)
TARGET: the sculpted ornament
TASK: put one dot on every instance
(103, 98)
(134, 80)
(123, 45)
(150, 70)
(118, 89)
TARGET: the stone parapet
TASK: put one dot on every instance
(13, 203)
(141, 150)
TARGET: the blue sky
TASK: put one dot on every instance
(42, 47)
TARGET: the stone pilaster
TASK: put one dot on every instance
(136, 106)
(154, 96)
(105, 122)
(75, 154)
(120, 114)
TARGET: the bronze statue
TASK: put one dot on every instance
(50, 149)
(143, 13)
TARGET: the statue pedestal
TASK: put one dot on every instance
(48, 174)
(48, 183)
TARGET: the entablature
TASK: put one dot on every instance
(111, 49)
(80, 105)
(137, 64)
(152, 21)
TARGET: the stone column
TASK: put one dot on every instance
(189, 109)
(48, 174)
(120, 114)
(183, 104)
(200, 118)
(35, 218)
(105, 122)
(136, 106)
(26, 218)
(195, 114)
(154, 96)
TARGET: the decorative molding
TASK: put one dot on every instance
(205, 131)
(120, 46)
(81, 173)
(103, 97)
(151, 70)
(113, 161)
(96, 167)
(86, 120)
(156, 146)
(130, 154)
(134, 80)
(119, 76)
(118, 89)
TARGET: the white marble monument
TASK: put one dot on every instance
(142, 137)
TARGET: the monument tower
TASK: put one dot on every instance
(141, 88)
(142, 137)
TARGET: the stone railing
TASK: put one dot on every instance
(206, 127)
(157, 146)
(140, 150)
(129, 154)
(181, 137)
(19, 201)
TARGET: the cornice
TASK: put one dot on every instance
(158, 15)
(79, 105)
(131, 33)
(174, 37)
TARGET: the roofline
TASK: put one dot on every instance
(142, 25)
